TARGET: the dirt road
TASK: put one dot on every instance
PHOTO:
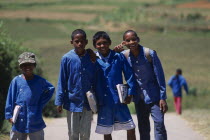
(177, 129)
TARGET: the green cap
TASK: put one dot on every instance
(26, 57)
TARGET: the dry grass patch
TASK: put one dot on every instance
(4, 137)
(28, 1)
(109, 26)
(47, 120)
(199, 120)
(21, 14)
(100, 8)
(197, 4)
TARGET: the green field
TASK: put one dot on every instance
(181, 36)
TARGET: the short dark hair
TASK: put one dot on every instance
(101, 34)
(179, 71)
(128, 31)
(78, 31)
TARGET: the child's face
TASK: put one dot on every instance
(27, 69)
(102, 45)
(79, 42)
(131, 41)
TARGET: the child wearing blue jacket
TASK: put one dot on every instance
(75, 80)
(112, 115)
(151, 87)
(31, 92)
(176, 82)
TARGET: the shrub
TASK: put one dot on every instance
(50, 109)
(193, 91)
(195, 16)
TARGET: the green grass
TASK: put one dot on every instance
(4, 132)
(22, 30)
(132, 108)
(176, 49)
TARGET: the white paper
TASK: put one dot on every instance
(122, 92)
(92, 101)
(16, 113)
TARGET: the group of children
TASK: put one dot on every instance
(82, 71)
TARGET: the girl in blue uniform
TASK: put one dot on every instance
(112, 114)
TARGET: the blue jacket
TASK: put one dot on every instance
(108, 75)
(31, 95)
(149, 76)
(75, 79)
(176, 83)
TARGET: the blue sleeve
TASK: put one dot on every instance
(11, 99)
(129, 75)
(170, 81)
(184, 83)
(158, 70)
(95, 77)
(48, 90)
(62, 83)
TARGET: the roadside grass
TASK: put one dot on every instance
(131, 107)
(200, 100)
(199, 120)
(4, 137)
(4, 132)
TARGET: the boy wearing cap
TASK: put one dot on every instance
(31, 92)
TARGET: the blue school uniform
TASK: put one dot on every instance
(75, 79)
(151, 88)
(108, 75)
(176, 83)
(31, 95)
(149, 76)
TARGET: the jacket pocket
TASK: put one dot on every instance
(35, 117)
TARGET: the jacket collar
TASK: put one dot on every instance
(110, 59)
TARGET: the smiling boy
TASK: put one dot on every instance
(151, 87)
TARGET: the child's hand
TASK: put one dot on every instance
(163, 106)
(119, 48)
(128, 99)
(93, 56)
(10, 120)
(59, 109)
